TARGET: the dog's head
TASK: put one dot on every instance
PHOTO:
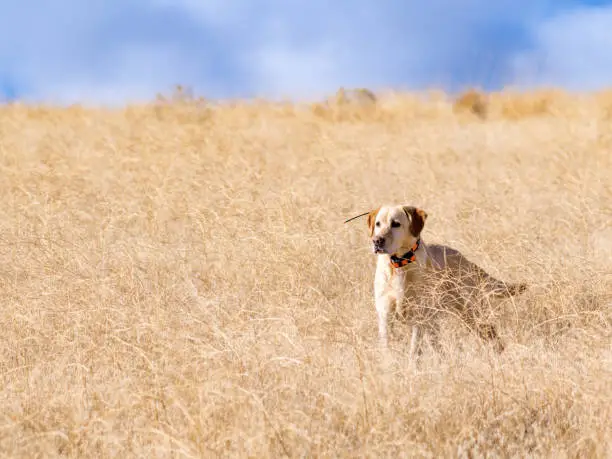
(395, 227)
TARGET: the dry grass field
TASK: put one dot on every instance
(176, 279)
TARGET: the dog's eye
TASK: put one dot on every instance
(377, 223)
(395, 224)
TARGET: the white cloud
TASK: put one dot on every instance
(313, 50)
(100, 52)
(278, 72)
(572, 50)
(135, 72)
(114, 51)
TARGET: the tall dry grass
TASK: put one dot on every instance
(176, 279)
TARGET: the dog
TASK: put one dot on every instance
(416, 282)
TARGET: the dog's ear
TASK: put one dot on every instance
(417, 219)
(372, 220)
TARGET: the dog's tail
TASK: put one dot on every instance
(498, 288)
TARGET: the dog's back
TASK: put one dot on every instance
(456, 274)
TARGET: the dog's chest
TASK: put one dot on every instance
(404, 281)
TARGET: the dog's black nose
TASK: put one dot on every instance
(379, 241)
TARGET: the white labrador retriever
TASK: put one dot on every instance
(416, 282)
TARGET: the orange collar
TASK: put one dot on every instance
(408, 257)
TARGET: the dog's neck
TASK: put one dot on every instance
(404, 256)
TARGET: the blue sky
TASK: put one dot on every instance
(116, 51)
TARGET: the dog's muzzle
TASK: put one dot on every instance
(378, 245)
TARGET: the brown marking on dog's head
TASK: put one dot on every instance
(372, 220)
(417, 219)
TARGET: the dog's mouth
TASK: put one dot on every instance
(378, 249)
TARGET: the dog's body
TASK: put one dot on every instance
(416, 282)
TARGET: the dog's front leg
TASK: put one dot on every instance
(384, 306)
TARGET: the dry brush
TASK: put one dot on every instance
(176, 279)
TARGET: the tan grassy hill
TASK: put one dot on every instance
(176, 279)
